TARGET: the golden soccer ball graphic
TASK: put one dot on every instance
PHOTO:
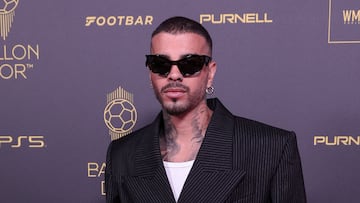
(7, 6)
(120, 116)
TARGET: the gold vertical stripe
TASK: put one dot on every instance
(6, 20)
(2, 26)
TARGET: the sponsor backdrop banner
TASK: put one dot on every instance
(73, 77)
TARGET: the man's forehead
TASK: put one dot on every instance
(177, 34)
(192, 43)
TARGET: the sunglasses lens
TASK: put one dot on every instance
(188, 66)
(191, 65)
(158, 64)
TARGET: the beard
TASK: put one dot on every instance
(179, 106)
(175, 108)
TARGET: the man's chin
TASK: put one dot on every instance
(175, 107)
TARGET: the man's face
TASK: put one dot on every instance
(176, 93)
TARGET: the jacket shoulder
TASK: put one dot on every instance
(250, 127)
(128, 141)
(121, 153)
(262, 139)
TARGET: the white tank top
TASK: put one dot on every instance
(177, 173)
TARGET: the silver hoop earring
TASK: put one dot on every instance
(210, 90)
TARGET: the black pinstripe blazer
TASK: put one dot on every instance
(240, 160)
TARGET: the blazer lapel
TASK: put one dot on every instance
(149, 182)
(213, 176)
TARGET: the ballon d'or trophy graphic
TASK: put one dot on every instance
(7, 13)
(120, 114)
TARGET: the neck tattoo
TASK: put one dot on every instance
(174, 147)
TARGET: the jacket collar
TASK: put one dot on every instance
(212, 167)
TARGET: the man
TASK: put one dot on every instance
(196, 150)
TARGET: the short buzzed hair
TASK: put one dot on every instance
(179, 24)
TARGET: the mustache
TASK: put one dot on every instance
(174, 85)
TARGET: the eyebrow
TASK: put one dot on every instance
(181, 56)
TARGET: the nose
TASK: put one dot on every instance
(175, 74)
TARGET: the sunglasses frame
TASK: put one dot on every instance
(185, 69)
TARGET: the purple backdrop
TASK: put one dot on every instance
(294, 65)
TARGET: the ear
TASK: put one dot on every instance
(211, 75)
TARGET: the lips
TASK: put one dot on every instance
(174, 92)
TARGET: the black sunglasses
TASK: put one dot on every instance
(188, 66)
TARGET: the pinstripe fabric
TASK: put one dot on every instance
(240, 160)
